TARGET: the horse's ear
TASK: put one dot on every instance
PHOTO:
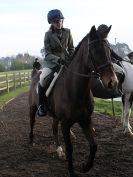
(106, 32)
(92, 32)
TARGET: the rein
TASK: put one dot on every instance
(92, 75)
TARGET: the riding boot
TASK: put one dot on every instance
(42, 106)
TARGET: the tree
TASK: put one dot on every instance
(2, 68)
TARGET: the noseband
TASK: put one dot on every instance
(95, 72)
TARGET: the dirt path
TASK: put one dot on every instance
(114, 157)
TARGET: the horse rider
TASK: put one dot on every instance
(58, 45)
(36, 64)
(115, 58)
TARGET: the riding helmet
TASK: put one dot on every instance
(54, 15)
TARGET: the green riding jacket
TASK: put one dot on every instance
(56, 49)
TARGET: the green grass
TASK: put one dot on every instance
(105, 106)
(4, 99)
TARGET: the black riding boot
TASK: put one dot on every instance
(42, 106)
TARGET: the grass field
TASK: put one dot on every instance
(105, 106)
(4, 99)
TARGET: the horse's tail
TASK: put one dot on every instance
(34, 72)
(35, 77)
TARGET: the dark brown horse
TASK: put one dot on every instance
(71, 100)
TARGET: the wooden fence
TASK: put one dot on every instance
(10, 81)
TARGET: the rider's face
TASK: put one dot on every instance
(58, 24)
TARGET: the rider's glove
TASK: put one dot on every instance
(61, 61)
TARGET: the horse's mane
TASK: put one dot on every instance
(79, 44)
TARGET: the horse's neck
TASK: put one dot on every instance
(77, 85)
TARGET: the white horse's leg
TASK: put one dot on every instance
(126, 114)
(122, 116)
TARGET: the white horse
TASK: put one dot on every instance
(127, 96)
(127, 92)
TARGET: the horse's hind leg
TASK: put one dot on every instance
(127, 103)
(89, 134)
(33, 110)
(59, 150)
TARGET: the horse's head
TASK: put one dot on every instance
(100, 55)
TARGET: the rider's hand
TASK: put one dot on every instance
(61, 61)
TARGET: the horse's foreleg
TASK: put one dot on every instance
(59, 150)
(123, 104)
(89, 134)
(33, 110)
(68, 145)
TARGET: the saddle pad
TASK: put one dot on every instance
(56, 75)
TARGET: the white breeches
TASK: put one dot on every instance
(44, 74)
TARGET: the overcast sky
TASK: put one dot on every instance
(23, 23)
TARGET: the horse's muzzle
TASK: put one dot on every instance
(110, 82)
(113, 83)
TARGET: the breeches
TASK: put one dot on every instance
(45, 72)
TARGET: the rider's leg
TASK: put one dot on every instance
(42, 106)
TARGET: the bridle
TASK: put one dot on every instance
(95, 71)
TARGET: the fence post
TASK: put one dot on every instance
(7, 83)
(24, 78)
(29, 77)
(20, 79)
(14, 78)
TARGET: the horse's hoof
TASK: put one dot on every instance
(31, 143)
(63, 157)
(61, 154)
(73, 135)
(129, 134)
(93, 129)
(85, 168)
(73, 175)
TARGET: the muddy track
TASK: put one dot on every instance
(114, 157)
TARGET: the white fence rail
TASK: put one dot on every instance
(10, 81)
